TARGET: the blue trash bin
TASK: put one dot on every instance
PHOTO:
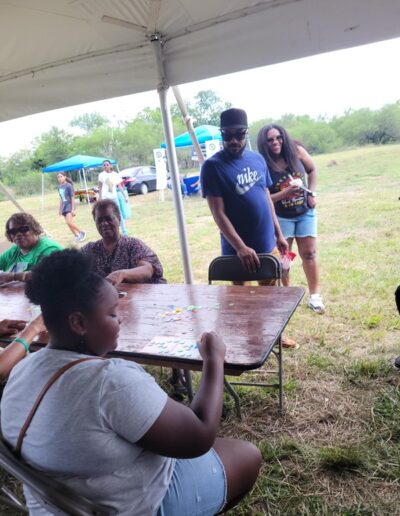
(190, 182)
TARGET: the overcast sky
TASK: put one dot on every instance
(327, 84)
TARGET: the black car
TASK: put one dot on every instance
(139, 180)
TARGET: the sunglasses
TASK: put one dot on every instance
(238, 135)
(277, 138)
(22, 229)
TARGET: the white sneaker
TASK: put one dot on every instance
(80, 237)
(316, 304)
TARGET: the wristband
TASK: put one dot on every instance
(23, 342)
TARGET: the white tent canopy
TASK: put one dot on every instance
(60, 53)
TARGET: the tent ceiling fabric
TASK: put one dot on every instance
(59, 53)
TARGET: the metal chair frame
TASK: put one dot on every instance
(230, 268)
(51, 493)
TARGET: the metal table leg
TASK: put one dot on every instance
(235, 397)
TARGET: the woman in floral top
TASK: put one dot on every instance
(120, 258)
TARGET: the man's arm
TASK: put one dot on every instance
(99, 185)
(280, 239)
(247, 255)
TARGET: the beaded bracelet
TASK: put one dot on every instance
(23, 342)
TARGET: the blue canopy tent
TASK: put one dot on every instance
(203, 134)
(79, 162)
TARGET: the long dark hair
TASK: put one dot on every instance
(68, 179)
(288, 152)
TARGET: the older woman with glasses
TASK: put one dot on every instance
(29, 246)
(294, 178)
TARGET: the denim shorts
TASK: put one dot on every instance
(305, 225)
(197, 488)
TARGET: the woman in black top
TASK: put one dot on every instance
(294, 177)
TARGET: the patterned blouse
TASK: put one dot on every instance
(126, 255)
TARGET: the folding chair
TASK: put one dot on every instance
(51, 493)
(230, 268)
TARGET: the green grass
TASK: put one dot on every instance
(336, 450)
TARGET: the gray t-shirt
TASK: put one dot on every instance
(85, 429)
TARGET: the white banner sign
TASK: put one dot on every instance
(160, 161)
(212, 146)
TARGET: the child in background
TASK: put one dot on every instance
(67, 205)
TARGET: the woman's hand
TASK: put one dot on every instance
(9, 327)
(291, 190)
(211, 346)
(311, 201)
(116, 277)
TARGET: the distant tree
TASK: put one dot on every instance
(99, 142)
(356, 127)
(18, 164)
(317, 135)
(207, 108)
(387, 124)
(50, 147)
(89, 122)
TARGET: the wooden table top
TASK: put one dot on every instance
(249, 319)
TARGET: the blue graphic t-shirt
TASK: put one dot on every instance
(66, 192)
(241, 182)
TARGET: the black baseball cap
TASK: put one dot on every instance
(233, 118)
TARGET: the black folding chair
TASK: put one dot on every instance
(230, 268)
(52, 494)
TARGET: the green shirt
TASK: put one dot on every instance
(14, 261)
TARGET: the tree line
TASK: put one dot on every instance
(132, 142)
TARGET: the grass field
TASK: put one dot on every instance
(337, 448)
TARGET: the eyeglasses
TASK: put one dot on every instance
(22, 229)
(238, 135)
(277, 138)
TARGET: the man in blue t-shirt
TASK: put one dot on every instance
(235, 182)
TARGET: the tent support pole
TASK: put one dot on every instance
(10, 197)
(189, 124)
(42, 190)
(86, 187)
(162, 89)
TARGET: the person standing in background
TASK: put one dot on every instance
(109, 184)
(67, 205)
(235, 183)
(294, 178)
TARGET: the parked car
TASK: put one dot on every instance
(139, 180)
